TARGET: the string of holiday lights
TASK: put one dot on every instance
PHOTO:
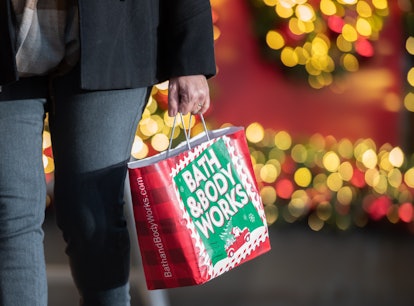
(331, 182)
(407, 8)
(319, 38)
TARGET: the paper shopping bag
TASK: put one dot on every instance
(198, 211)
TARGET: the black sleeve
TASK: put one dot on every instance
(186, 44)
(8, 71)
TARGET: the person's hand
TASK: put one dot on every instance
(188, 94)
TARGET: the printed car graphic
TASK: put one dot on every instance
(241, 237)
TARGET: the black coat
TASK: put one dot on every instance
(130, 43)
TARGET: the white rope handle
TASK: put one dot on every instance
(186, 132)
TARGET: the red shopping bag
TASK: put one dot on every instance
(197, 209)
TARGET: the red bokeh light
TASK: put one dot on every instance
(284, 188)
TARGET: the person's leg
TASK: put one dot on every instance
(23, 279)
(92, 135)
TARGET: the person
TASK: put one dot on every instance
(89, 66)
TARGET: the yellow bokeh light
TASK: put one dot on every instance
(198, 128)
(409, 45)
(302, 55)
(314, 82)
(350, 1)
(160, 142)
(345, 195)
(298, 205)
(315, 223)
(168, 121)
(270, 2)
(320, 45)
(349, 33)
(47, 141)
(331, 161)
(370, 159)
(364, 27)
(216, 32)
(162, 86)
(392, 214)
(362, 146)
(410, 76)
(256, 168)
(385, 163)
(345, 148)
(372, 177)
(283, 140)
(159, 121)
(395, 178)
(306, 27)
(343, 44)
(148, 126)
(258, 156)
(188, 120)
(405, 196)
(277, 154)
(319, 182)
(364, 9)
(305, 12)
(380, 4)
(299, 153)
(45, 161)
(350, 62)
(334, 181)
(343, 222)
(152, 105)
(268, 173)
(303, 177)
(312, 69)
(346, 171)
(139, 148)
(287, 3)
(272, 214)
(48, 164)
(328, 7)
(276, 164)
(396, 157)
(317, 142)
(255, 132)
(268, 195)
(283, 11)
(294, 26)
(409, 177)
(324, 210)
(381, 185)
(297, 208)
(409, 102)
(275, 40)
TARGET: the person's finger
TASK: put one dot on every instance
(173, 99)
(185, 104)
(204, 104)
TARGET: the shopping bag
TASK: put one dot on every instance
(197, 209)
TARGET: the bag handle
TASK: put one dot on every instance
(186, 132)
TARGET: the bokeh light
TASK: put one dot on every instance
(322, 38)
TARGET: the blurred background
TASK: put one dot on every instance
(324, 89)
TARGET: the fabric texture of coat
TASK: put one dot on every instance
(130, 43)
